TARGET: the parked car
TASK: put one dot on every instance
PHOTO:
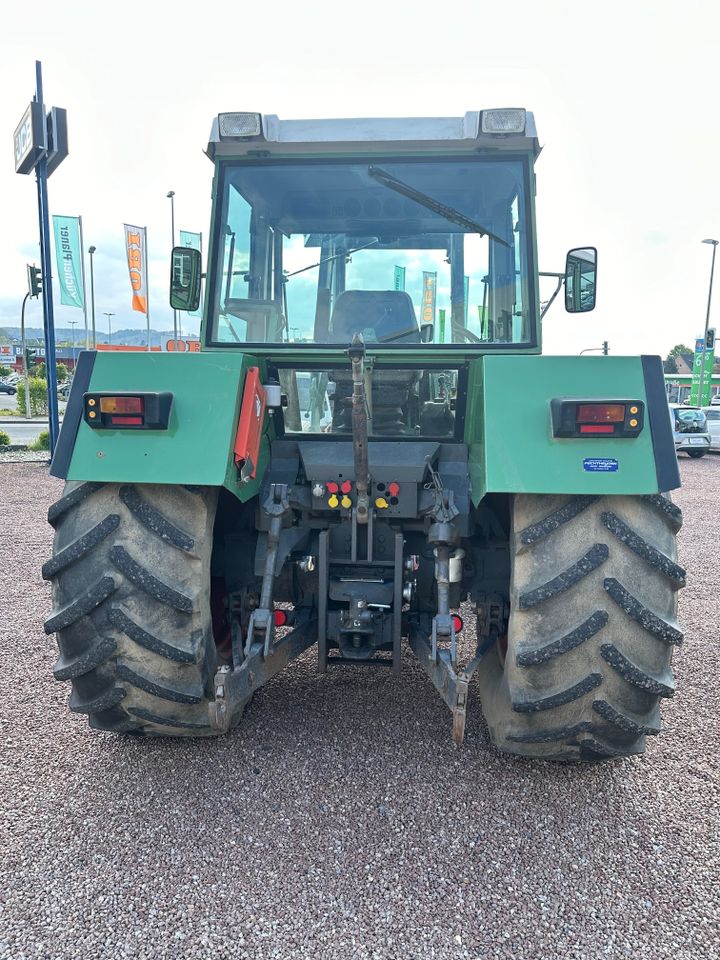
(715, 400)
(64, 390)
(690, 430)
(712, 415)
(7, 387)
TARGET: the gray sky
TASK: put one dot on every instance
(625, 96)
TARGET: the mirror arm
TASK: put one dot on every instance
(560, 279)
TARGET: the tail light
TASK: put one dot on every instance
(122, 411)
(597, 418)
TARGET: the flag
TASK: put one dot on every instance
(194, 240)
(399, 278)
(428, 296)
(136, 245)
(68, 253)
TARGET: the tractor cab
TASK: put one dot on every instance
(329, 228)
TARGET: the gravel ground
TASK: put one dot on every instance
(339, 820)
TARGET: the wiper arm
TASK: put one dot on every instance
(449, 213)
(335, 256)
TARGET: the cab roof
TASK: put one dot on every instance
(253, 134)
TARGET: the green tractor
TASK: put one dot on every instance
(368, 438)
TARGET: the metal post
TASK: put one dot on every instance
(46, 267)
(82, 262)
(25, 363)
(109, 315)
(707, 324)
(73, 324)
(171, 196)
(91, 251)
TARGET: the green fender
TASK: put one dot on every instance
(197, 447)
(508, 427)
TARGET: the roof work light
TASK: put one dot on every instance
(503, 121)
(233, 125)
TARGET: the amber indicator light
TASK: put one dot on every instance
(600, 413)
(121, 404)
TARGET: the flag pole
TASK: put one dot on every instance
(84, 289)
(147, 289)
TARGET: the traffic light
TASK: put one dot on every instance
(710, 339)
(29, 357)
(35, 280)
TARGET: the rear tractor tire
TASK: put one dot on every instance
(593, 600)
(131, 605)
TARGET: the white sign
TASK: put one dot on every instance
(29, 138)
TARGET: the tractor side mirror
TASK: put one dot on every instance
(427, 332)
(580, 277)
(185, 278)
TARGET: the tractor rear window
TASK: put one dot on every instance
(426, 252)
(401, 403)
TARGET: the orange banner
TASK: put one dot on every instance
(136, 246)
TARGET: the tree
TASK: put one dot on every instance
(680, 348)
(670, 363)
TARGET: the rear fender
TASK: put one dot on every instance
(509, 431)
(198, 446)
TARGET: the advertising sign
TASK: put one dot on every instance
(29, 139)
(136, 246)
(697, 366)
(399, 278)
(68, 254)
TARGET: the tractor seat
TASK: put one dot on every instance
(381, 316)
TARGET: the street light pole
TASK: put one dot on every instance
(109, 317)
(171, 197)
(73, 324)
(707, 324)
(91, 251)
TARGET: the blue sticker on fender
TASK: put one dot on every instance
(600, 465)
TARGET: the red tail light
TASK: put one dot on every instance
(457, 623)
(280, 617)
(600, 413)
(597, 428)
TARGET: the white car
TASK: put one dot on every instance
(712, 415)
(690, 430)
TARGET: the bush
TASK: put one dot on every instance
(38, 397)
(4, 371)
(4, 439)
(42, 442)
(61, 371)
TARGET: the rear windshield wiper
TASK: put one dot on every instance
(335, 256)
(449, 213)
